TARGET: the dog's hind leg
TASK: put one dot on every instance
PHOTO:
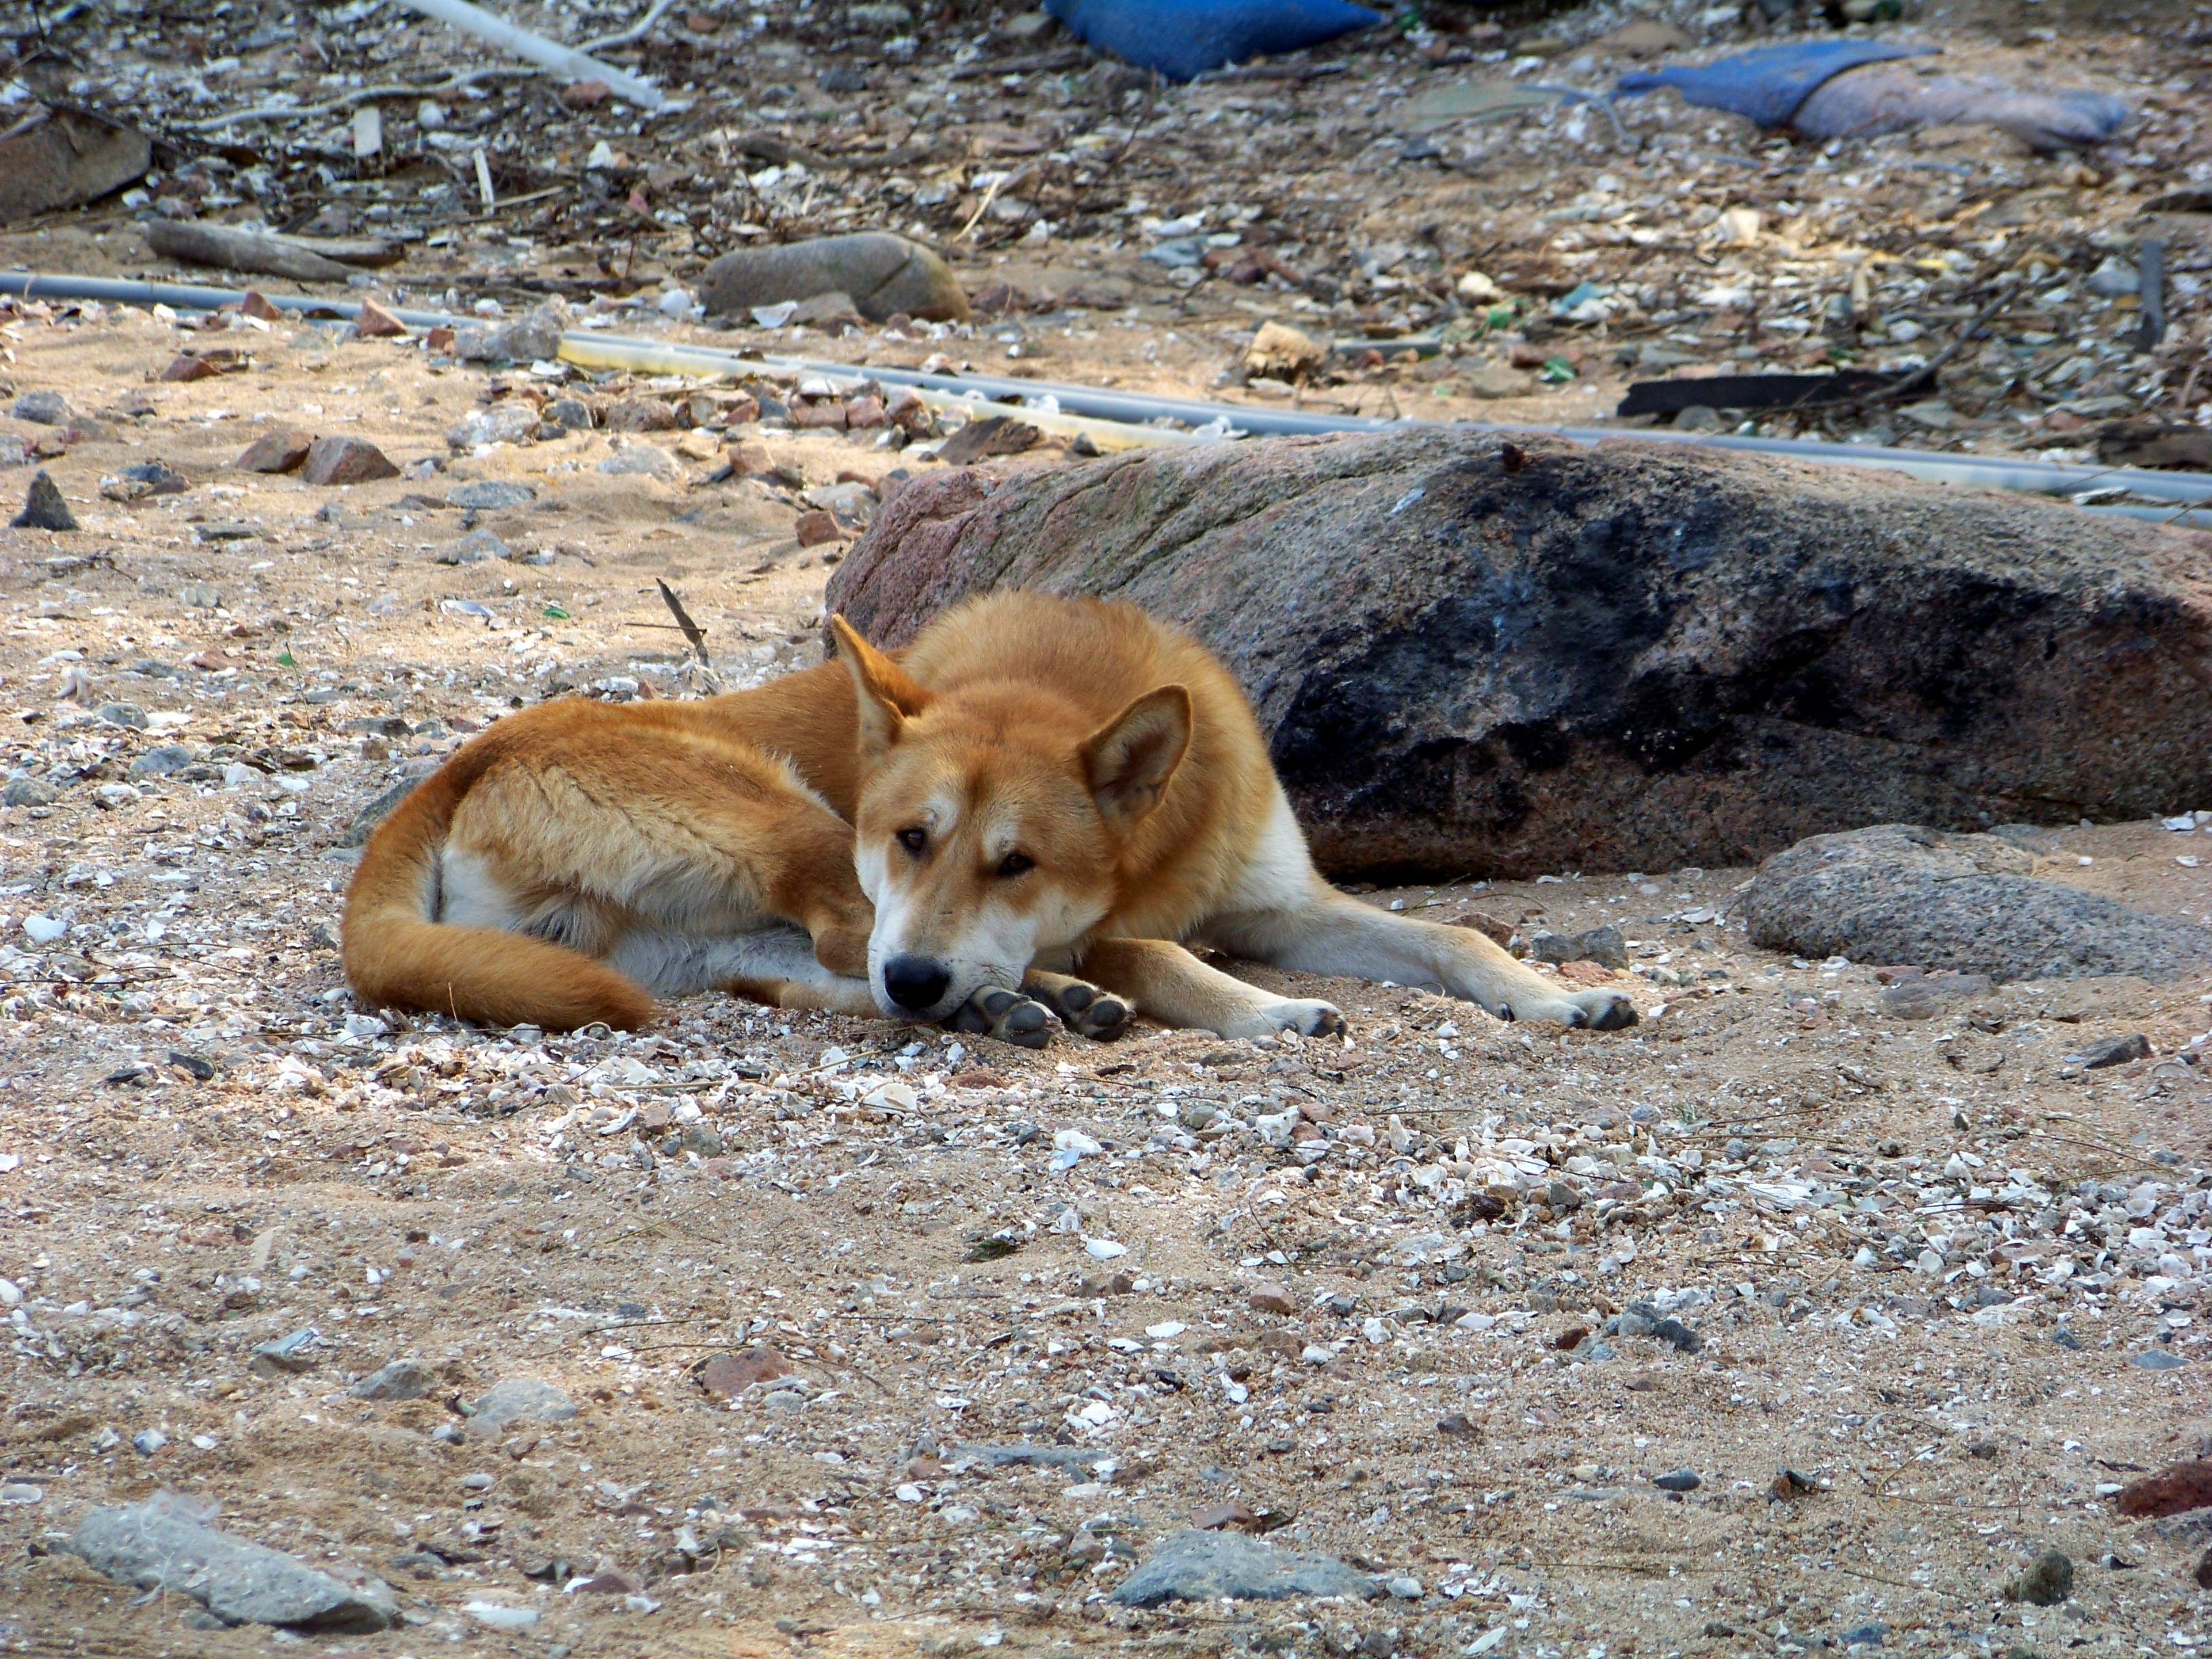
(1082, 1006)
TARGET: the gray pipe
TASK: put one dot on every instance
(1963, 471)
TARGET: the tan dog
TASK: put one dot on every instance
(1037, 787)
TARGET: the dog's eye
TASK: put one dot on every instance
(1015, 863)
(914, 840)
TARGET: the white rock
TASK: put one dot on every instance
(43, 930)
(500, 1616)
(1105, 1249)
(1074, 1141)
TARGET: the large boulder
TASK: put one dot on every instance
(882, 274)
(1896, 893)
(1473, 655)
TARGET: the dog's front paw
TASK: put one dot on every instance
(1307, 1018)
(1087, 1010)
(1008, 1016)
(1595, 1011)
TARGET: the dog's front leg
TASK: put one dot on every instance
(1334, 934)
(1174, 986)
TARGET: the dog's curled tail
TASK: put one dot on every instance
(396, 957)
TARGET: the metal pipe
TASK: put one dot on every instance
(2183, 489)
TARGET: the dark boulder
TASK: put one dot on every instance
(1512, 657)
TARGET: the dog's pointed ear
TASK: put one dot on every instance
(888, 697)
(1129, 760)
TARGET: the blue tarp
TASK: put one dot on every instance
(1184, 39)
(1767, 84)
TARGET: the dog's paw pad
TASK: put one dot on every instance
(1090, 1011)
(1008, 1016)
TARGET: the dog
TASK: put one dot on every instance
(1034, 809)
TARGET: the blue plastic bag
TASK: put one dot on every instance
(1184, 39)
(1767, 84)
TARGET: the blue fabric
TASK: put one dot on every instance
(1767, 84)
(1184, 39)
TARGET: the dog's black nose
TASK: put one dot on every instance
(916, 983)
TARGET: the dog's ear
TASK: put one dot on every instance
(1129, 760)
(888, 696)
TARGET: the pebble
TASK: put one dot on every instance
(2157, 1359)
(474, 547)
(500, 1616)
(1679, 1480)
(147, 1442)
(491, 495)
(1864, 1636)
(517, 1399)
(403, 1379)
(2111, 1051)
(163, 1545)
(43, 506)
(2048, 1580)
(42, 409)
(333, 461)
(1405, 1587)
(643, 460)
(277, 452)
(20, 1491)
(1211, 1566)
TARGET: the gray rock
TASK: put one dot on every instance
(1924, 999)
(490, 494)
(2157, 1359)
(1679, 1480)
(2111, 1051)
(883, 274)
(42, 409)
(531, 338)
(147, 1442)
(518, 1398)
(43, 507)
(403, 1379)
(1631, 656)
(2048, 1581)
(1603, 946)
(1864, 1636)
(2066, 1338)
(474, 547)
(160, 762)
(1207, 1566)
(157, 1546)
(365, 821)
(1048, 1457)
(286, 1356)
(1895, 893)
(643, 460)
(502, 423)
(29, 791)
(123, 714)
(571, 413)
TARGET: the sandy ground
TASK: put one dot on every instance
(1880, 1227)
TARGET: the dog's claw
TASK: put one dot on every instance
(1007, 1015)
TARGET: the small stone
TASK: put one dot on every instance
(1267, 1296)
(570, 414)
(43, 507)
(1675, 1331)
(2066, 1338)
(123, 714)
(1211, 1566)
(728, 1374)
(517, 1399)
(502, 423)
(609, 1582)
(161, 1545)
(282, 451)
(1679, 1480)
(162, 761)
(332, 461)
(2111, 1051)
(641, 415)
(286, 1356)
(1864, 1636)
(2109, 281)
(643, 460)
(491, 495)
(498, 1615)
(2048, 1581)
(474, 547)
(1282, 352)
(1405, 1587)
(1603, 946)
(1489, 381)
(42, 409)
(813, 529)
(147, 1442)
(403, 1379)
(1214, 1516)
(2157, 1359)
(27, 792)
(1790, 1483)
(585, 94)
(20, 1492)
(477, 1481)
(883, 274)
(375, 323)
(2203, 1573)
